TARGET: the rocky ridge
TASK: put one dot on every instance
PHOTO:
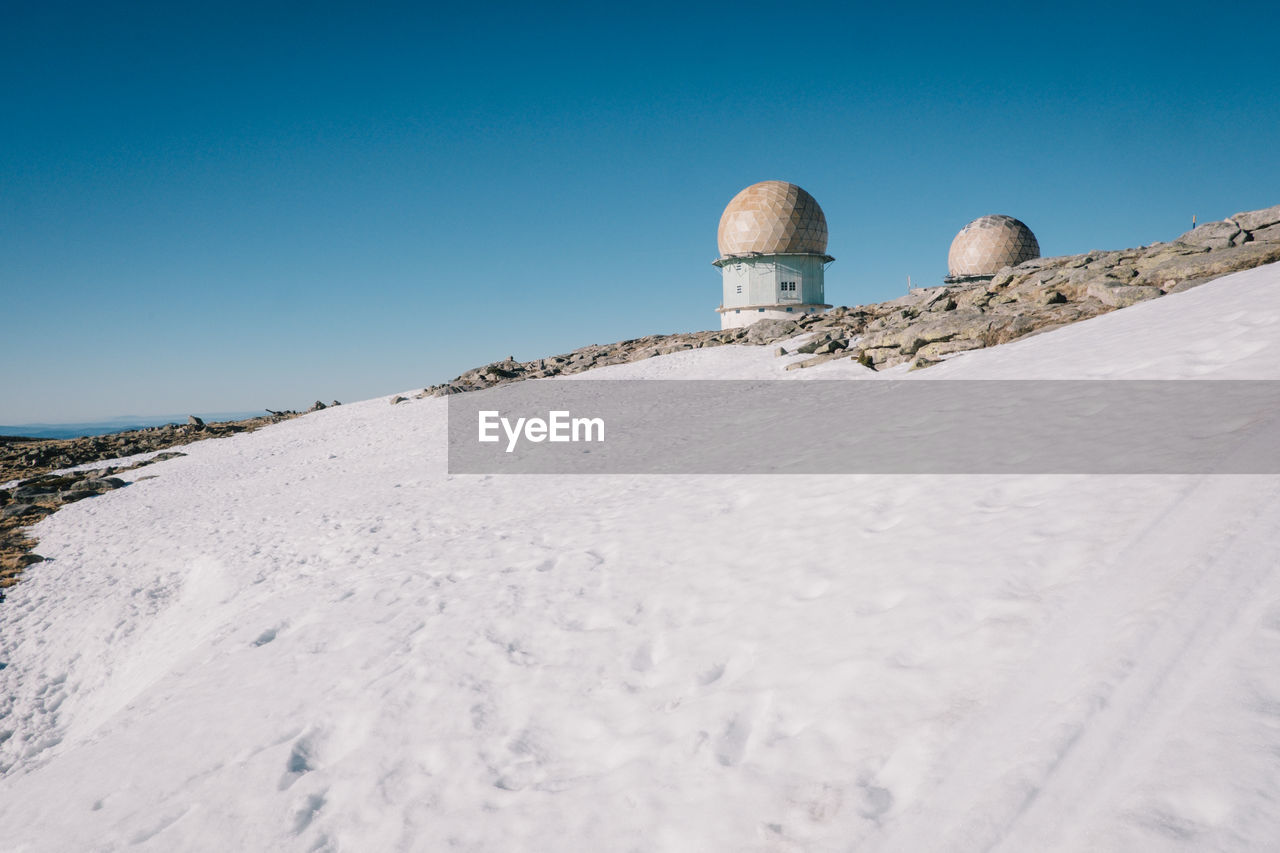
(931, 323)
(28, 457)
(920, 328)
(37, 492)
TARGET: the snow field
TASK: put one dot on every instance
(311, 637)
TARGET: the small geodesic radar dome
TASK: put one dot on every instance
(989, 243)
(772, 218)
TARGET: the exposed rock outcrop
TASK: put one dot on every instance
(38, 492)
(920, 329)
(930, 323)
(34, 498)
(27, 457)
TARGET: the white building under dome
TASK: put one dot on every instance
(773, 244)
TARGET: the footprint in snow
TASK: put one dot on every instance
(306, 811)
(165, 821)
(301, 761)
(876, 801)
(731, 745)
(820, 801)
(642, 658)
(517, 777)
(711, 675)
(565, 561)
(525, 769)
(580, 561)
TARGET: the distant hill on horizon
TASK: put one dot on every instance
(108, 426)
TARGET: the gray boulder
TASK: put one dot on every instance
(814, 361)
(1209, 265)
(1212, 235)
(920, 362)
(97, 485)
(1164, 253)
(33, 491)
(939, 327)
(1269, 234)
(1255, 220)
(940, 348)
(1123, 296)
(821, 342)
(23, 510)
(768, 331)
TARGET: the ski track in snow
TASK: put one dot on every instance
(311, 637)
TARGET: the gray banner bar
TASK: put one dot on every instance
(867, 427)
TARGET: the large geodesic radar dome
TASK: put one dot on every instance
(772, 217)
(989, 243)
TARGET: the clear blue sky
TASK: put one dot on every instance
(229, 206)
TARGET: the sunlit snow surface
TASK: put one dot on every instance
(312, 638)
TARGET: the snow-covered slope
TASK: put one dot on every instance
(312, 638)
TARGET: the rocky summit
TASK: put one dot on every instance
(28, 457)
(931, 323)
(921, 328)
(33, 491)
